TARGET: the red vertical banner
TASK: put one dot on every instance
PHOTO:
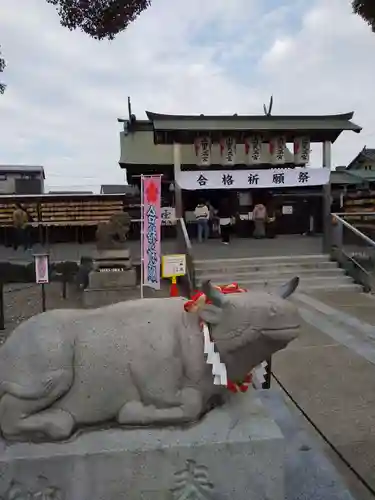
(151, 233)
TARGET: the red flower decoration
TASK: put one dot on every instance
(152, 192)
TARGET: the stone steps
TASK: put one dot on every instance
(269, 274)
(317, 282)
(305, 261)
(315, 272)
(272, 267)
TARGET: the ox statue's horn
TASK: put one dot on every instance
(213, 294)
(287, 289)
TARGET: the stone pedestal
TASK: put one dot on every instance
(93, 298)
(235, 453)
(113, 278)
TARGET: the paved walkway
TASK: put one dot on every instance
(309, 472)
(341, 304)
(249, 247)
(213, 249)
(330, 372)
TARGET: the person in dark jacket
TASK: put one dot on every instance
(225, 215)
(20, 222)
(28, 233)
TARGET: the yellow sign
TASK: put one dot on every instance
(173, 265)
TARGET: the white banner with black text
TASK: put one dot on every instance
(247, 179)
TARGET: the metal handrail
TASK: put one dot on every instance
(188, 250)
(356, 231)
(344, 214)
(369, 280)
(185, 234)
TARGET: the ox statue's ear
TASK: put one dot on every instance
(287, 289)
(213, 294)
(211, 314)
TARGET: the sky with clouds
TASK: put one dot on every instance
(66, 91)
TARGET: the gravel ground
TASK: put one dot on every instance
(22, 301)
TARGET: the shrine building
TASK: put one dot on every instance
(247, 159)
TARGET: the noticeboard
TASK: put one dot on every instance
(41, 269)
(173, 265)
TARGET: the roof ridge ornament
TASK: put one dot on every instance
(268, 111)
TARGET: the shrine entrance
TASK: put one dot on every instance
(262, 158)
(296, 212)
(251, 152)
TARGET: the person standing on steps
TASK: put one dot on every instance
(214, 220)
(260, 217)
(225, 215)
(202, 215)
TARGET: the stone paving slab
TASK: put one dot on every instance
(212, 249)
(332, 381)
(344, 298)
(360, 305)
(248, 247)
(366, 314)
(310, 473)
(74, 251)
(362, 455)
(336, 387)
(341, 327)
(311, 337)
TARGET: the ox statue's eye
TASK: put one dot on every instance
(273, 311)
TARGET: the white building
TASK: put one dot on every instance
(21, 179)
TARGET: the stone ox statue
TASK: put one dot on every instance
(137, 363)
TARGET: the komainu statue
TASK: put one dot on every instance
(135, 363)
(113, 234)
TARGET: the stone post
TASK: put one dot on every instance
(327, 197)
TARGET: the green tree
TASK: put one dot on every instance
(2, 67)
(99, 18)
(366, 9)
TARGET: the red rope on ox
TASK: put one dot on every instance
(199, 298)
(195, 303)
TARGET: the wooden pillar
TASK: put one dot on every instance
(177, 190)
(327, 197)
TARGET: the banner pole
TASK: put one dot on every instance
(142, 235)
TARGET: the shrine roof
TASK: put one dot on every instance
(366, 154)
(343, 177)
(318, 127)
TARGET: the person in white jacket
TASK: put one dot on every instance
(202, 215)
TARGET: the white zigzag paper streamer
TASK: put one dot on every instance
(219, 370)
(259, 374)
